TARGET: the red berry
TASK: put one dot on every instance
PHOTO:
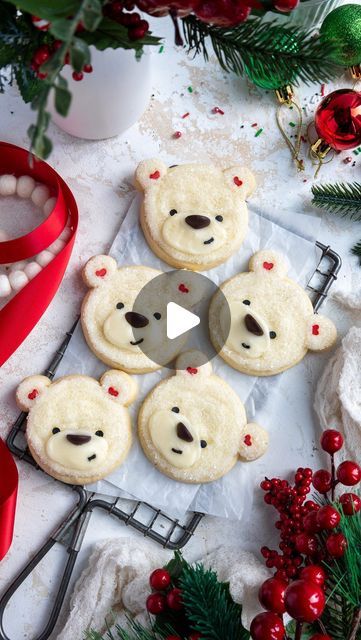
(307, 544)
(304, 601)
(331, 441)
(137, 33)
(272, 595)
(349, 473)
(322, 480)
(328, 517)
(313, 573)
(351, 503)
(310, 523)
(41, 75)
(88, 68)
(42, 55)
(265, 552)
(159, 580)
(267, 626)
(77, 75)
(285, 5)
(336, 545)
(174, 599)
(265, 485)
(156, 603)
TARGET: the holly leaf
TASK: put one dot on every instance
(92, 14)
(176, 566)
(79, 54)
(61, 29)
(111, 34)
(62, 97)
(29, 85)
(40, 143)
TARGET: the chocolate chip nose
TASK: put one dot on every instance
(252, 325)
(183, 433)
(198, 222)
(78, 438)
(136, 320)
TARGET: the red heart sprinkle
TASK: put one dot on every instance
(101, 273)
(268, 265)
(183, 288)
(113, 392)
(32, 395)
(315, 329)
(237, 181)
(192, 370)
(155, 175)
(247, 440)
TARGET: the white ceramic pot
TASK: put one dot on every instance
(111, 98)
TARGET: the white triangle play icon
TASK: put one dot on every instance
(179, 320)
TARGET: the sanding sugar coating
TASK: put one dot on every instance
(272, 320)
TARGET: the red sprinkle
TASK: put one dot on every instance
(315, 329)
(185, 115)
(247, 440)
(254, 124)
(237, 181)
(177, 134)
(113, 392)
(268, 265)
(192, 370)
(183, 288)
(303, 139)
(322, 89)
(32, 395)
(347, 160)
(155, 175)
(101, 273)
(218, 110)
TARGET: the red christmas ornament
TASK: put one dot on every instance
(349, 473)
(305, 601)
(338, 119)
(272, 595)
(174, 599)
(156, 603)
(328, 517)
(322, 480)
(159, 580)
(267, 626)
(313, 573)
(351, 503)
(331, 441)
(336, 545)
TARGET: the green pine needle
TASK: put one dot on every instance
(340, 198)
(255, 47)
(356, 250)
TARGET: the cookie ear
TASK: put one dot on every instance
(150, 172)
(30, 390)
(268, 262)
(321, 333)
(119, 386)
(241, 180)
(193, 364)
(254, 442)
(98, 270)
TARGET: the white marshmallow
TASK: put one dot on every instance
(18, 280)
(5, 288)
(7, 185)
(25, 186)
(40, 195)
(44, 257)
(3, 236)
(56, 246)
(65, 234)
(49, 206)
(17, 266)
(32, 269)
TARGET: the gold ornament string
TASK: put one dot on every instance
(317, 158)
(293, 147)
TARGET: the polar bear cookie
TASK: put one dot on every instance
(109, 320)
(193, 427)
(78, 429)
(194, 216)
(273, 324)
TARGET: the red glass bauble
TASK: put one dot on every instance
(313, 573)
(338, 119)
(174, 599)
(351, 503)
(304, 600)
(331, 441)
(349, 473)
(272, 595)
(267, 626)
(159, 580)
(336, 545)
(156, 603)
(328, 517)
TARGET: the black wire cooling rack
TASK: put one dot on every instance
(148, 520)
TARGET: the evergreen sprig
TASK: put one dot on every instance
(264, 50)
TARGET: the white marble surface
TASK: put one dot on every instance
(100, 175)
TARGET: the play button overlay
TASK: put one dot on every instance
(170, 315)
(179, 320)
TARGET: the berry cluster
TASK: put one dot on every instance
(309, 536)
(45, 52)
(165, 597)
(122, 11)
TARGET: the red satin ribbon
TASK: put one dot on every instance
(8, 493)
(25, 309)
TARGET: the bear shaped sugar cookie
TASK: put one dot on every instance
(118, 335)
(194, 216)
(273, 324)
(78, 429)
(193, 426)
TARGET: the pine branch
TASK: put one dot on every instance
(209, 605)
(264, 50)
(340, 198)
(134, 631)
(356, 250)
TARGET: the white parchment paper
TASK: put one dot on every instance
(137, 477)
